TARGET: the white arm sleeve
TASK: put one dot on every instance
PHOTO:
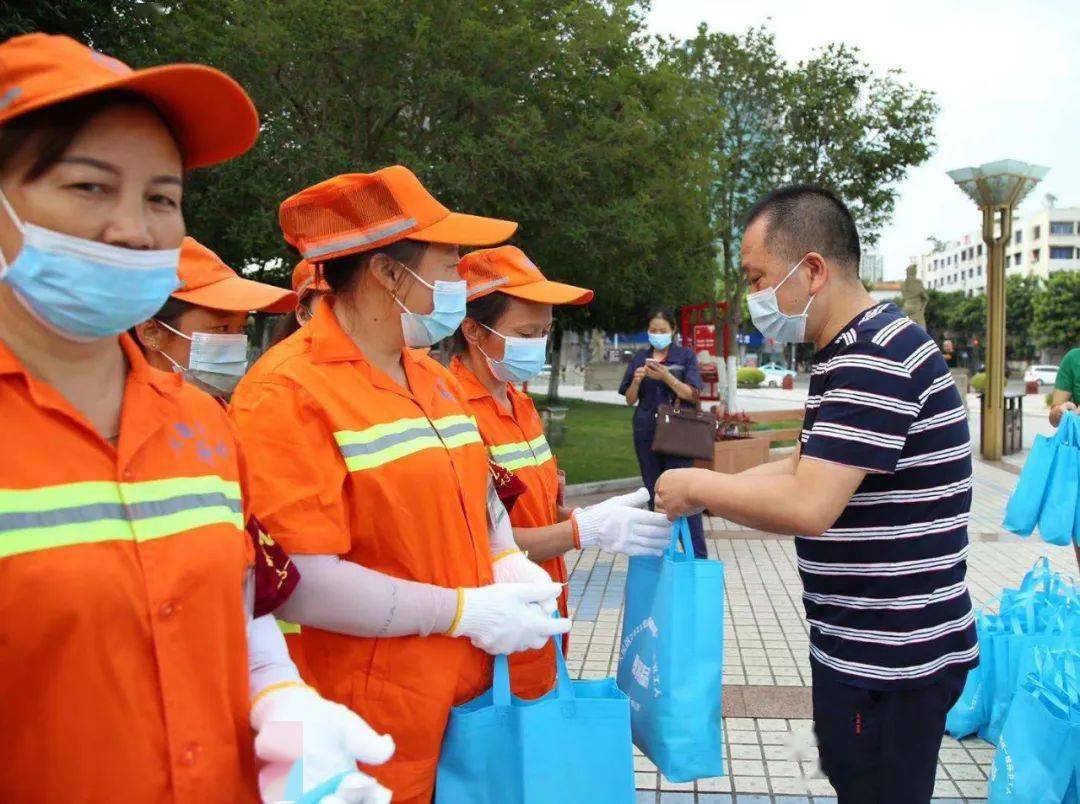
(500, 531)
(347, 598)
(268, 657)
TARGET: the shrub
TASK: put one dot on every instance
(978, 383)
(749, 377)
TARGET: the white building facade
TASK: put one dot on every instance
(872, 267)
(1042, 243)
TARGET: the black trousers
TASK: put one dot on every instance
(881, 747)
(652, 466)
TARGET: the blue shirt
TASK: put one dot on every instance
(884, 588)
(682, 363)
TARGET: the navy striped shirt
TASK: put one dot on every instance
(884, 587)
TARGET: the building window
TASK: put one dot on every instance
(1061, 252)
(1035, 232)
(979, 270)
(1061, 227)
(1008, 260)
(978, 249)
(1016, 258)
(1017, 235)
(1035, 255)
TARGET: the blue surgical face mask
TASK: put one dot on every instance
(217, 361)
(84, 290)
(660, 340)
(773, 323)
(523, 358)
(445, 317)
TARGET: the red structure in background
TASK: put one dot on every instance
(699, 334)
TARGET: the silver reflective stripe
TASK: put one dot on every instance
(371, 447)
(509, 457)
(457, 429)
(95, 512)
(371, 236)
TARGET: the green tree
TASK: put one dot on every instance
(855, 131)
(1020, 295)
(830, 121)
(1056, 319)
(739, 101)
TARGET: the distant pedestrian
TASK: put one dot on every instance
(658, 376)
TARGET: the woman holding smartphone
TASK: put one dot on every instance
(658, 376)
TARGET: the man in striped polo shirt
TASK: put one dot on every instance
(878, 496)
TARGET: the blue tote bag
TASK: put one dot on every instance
(671, 659)
(1058, 516)
(1049, 485)
(571, 745)
(1038, 752)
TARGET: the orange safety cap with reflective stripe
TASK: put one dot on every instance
(515, 441)
(124, 658)
(346, 461)
(358, 212)
(208, 282)
(507, 270)
(211, 115)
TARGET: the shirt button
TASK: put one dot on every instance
(190, 755)
(168, 609)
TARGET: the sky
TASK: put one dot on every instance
(1006, 75)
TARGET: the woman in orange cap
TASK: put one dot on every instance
(367, 468)
(129, 669)
(201, 331)
(502, 341)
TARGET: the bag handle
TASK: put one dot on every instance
(680, 533)
(500, 682)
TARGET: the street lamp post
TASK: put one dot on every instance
(997, 187)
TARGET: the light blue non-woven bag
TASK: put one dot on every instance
(1048, 489)
(671, 659)
(572, 744)
(1038, 752)
(1058, 516)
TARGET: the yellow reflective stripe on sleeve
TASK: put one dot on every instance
(84, 513)
(287, 627)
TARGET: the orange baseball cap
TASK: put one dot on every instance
(358, 212)
(305, 278)
(211, 115)
(208, 282)
(507, 270)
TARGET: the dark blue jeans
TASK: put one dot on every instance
(652, 466)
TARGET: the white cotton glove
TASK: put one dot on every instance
(509, 617)
(294, 723)
(621, 529)
(515, 567)
(635, 499)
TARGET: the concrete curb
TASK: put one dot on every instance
(602, 486)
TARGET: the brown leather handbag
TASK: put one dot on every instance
(684, 431)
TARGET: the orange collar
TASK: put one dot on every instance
(139, 370)
(470, 383)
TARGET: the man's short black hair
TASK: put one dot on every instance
(801, 218)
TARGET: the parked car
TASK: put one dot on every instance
(1043, 375)
(774, 374)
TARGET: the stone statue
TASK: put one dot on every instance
(597, 346)
(915, 297)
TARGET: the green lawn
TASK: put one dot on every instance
(599, 441)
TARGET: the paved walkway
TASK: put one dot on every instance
(771, 754)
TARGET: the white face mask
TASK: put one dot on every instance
(217, 361)
(771, 321)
